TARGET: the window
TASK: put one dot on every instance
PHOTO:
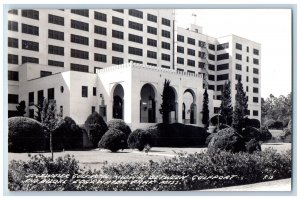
(247, 68)
(222, 77)
(219, 87)
(180, 49)
(165, 66)
(100, 16)
(117, 21)
(166, 22)
(151, 54)
(84, 91)
(222, 67)
(13, 75)
(152, 30)
(13, 98)
(180, 60)
(201, 64)
(255, 80)
(201, 44)
(191, 63)
(93, 109)
(135, 26)
(255, 112)
(255, 51)
(135, 51)
(223, 56)
(211, 57)
(100, 57)
(100, 44)
(13, 59)
(117, 34)
(45, 73)
(13, 11)
(211, 67)
(255, 61)
(56, 50)
(238, 46)
(247, 78)
(13, 26)
(53, 19)
(165, 45)
(255, 99)
(165, 57)
(79, 54)
(135, 13)
(28, 29)
(151, 42)
(117, 47)
(238, 56)
(61, 110)
(135, 61)
(13, 42)
(247, 89)
(79, 39)
(247, 49)
(152, 18)
(238, 77)
(190, 72)
(50, 93)
(191, 52)
(55, 63)
(255, 90)
(238, 67)
(79, 68)
(180, 38)
(117, 60)
(222, 46)
(219, 97)
(33, 14)
(191, 41)
(119, 10)
(165, 33)
(135, 38)
(211, 47)
(82, 12)
(40, 96)
(79, 25)
(180, 70)
(26, 59)
(201, 54)
(211, 77)
(96, 69)
(247, 59)
(29, 45)
(57, 35)
(255, 71)
(211, 87)
(100, 30)
(152, 64)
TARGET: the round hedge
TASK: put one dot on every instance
(25, 135)
(139, 138)
(113, 140)
(120, 125)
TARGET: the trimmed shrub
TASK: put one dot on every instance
(272, 124)
(214, 120)
(120, 125)
(96, 127)
(227, 139)
(113, 140)
(251, 122)
(251, 133)
(253, 145)
(139, 138)
(265, 134)
(269, 123)
(25, 135)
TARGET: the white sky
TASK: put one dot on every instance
(269, 27)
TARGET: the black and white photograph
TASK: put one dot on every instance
(148, 98)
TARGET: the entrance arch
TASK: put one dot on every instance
(148, 104)
(118, 102)
(189, 109)
(174, 113)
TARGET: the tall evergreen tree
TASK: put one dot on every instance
(240, 108)
(205, 109)
(21, 109)
(167, 105)
(226, 104)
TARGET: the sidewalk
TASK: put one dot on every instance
(278, 185)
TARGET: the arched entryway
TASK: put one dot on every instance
(148, 104)
(174, 113)
(118, 102)
(189, 109)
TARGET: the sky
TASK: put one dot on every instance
(269, 27)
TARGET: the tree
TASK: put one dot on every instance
(167, 104)
(205, 110)
(39, 108)
(21, 109)
(226, 104)
(240, 108)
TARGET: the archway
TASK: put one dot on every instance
(189, 109)
(173, 113)
(148, 104)
(118, 102)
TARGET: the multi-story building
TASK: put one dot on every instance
(79, 45)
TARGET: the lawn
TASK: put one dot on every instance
(94, 159)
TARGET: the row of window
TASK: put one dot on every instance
(240, 47)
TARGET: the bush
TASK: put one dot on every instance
(272, 124)
(227, 139)
(25, 135)
(139, 138)
(113, 140)
(251, 133)
(265, 134)
(269, 122)
(96, 127)
(251, 122)
(214, 120)
(253, 145)
(120, 125)
(178, 135)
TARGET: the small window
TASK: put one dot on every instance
(94, 91)
(31, 98)
(93, 109)
(50, 93)
(84, 91)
